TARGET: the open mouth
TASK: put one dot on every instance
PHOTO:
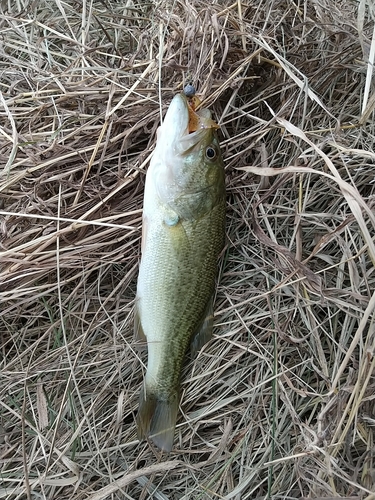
(199, 119)
(185, 127)
(199, 128)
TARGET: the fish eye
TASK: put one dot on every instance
(211, 153)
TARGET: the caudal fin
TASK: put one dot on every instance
(156, 418)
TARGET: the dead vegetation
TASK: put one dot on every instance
(280, 404)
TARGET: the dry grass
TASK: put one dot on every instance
(281, 403)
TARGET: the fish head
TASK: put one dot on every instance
(187, 166)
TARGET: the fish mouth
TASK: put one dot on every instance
(184, 128)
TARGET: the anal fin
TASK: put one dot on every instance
(204, 334)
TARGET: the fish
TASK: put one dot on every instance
(183, 234)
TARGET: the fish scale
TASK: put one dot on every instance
(183, 234)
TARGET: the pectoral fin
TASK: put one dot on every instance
(204, 334)
(139, 334)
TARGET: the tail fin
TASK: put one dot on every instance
(157, 417)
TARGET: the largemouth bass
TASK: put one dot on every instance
(182, 236)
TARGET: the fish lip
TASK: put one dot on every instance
(192, 141)
(176, 120)
(173, 128)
